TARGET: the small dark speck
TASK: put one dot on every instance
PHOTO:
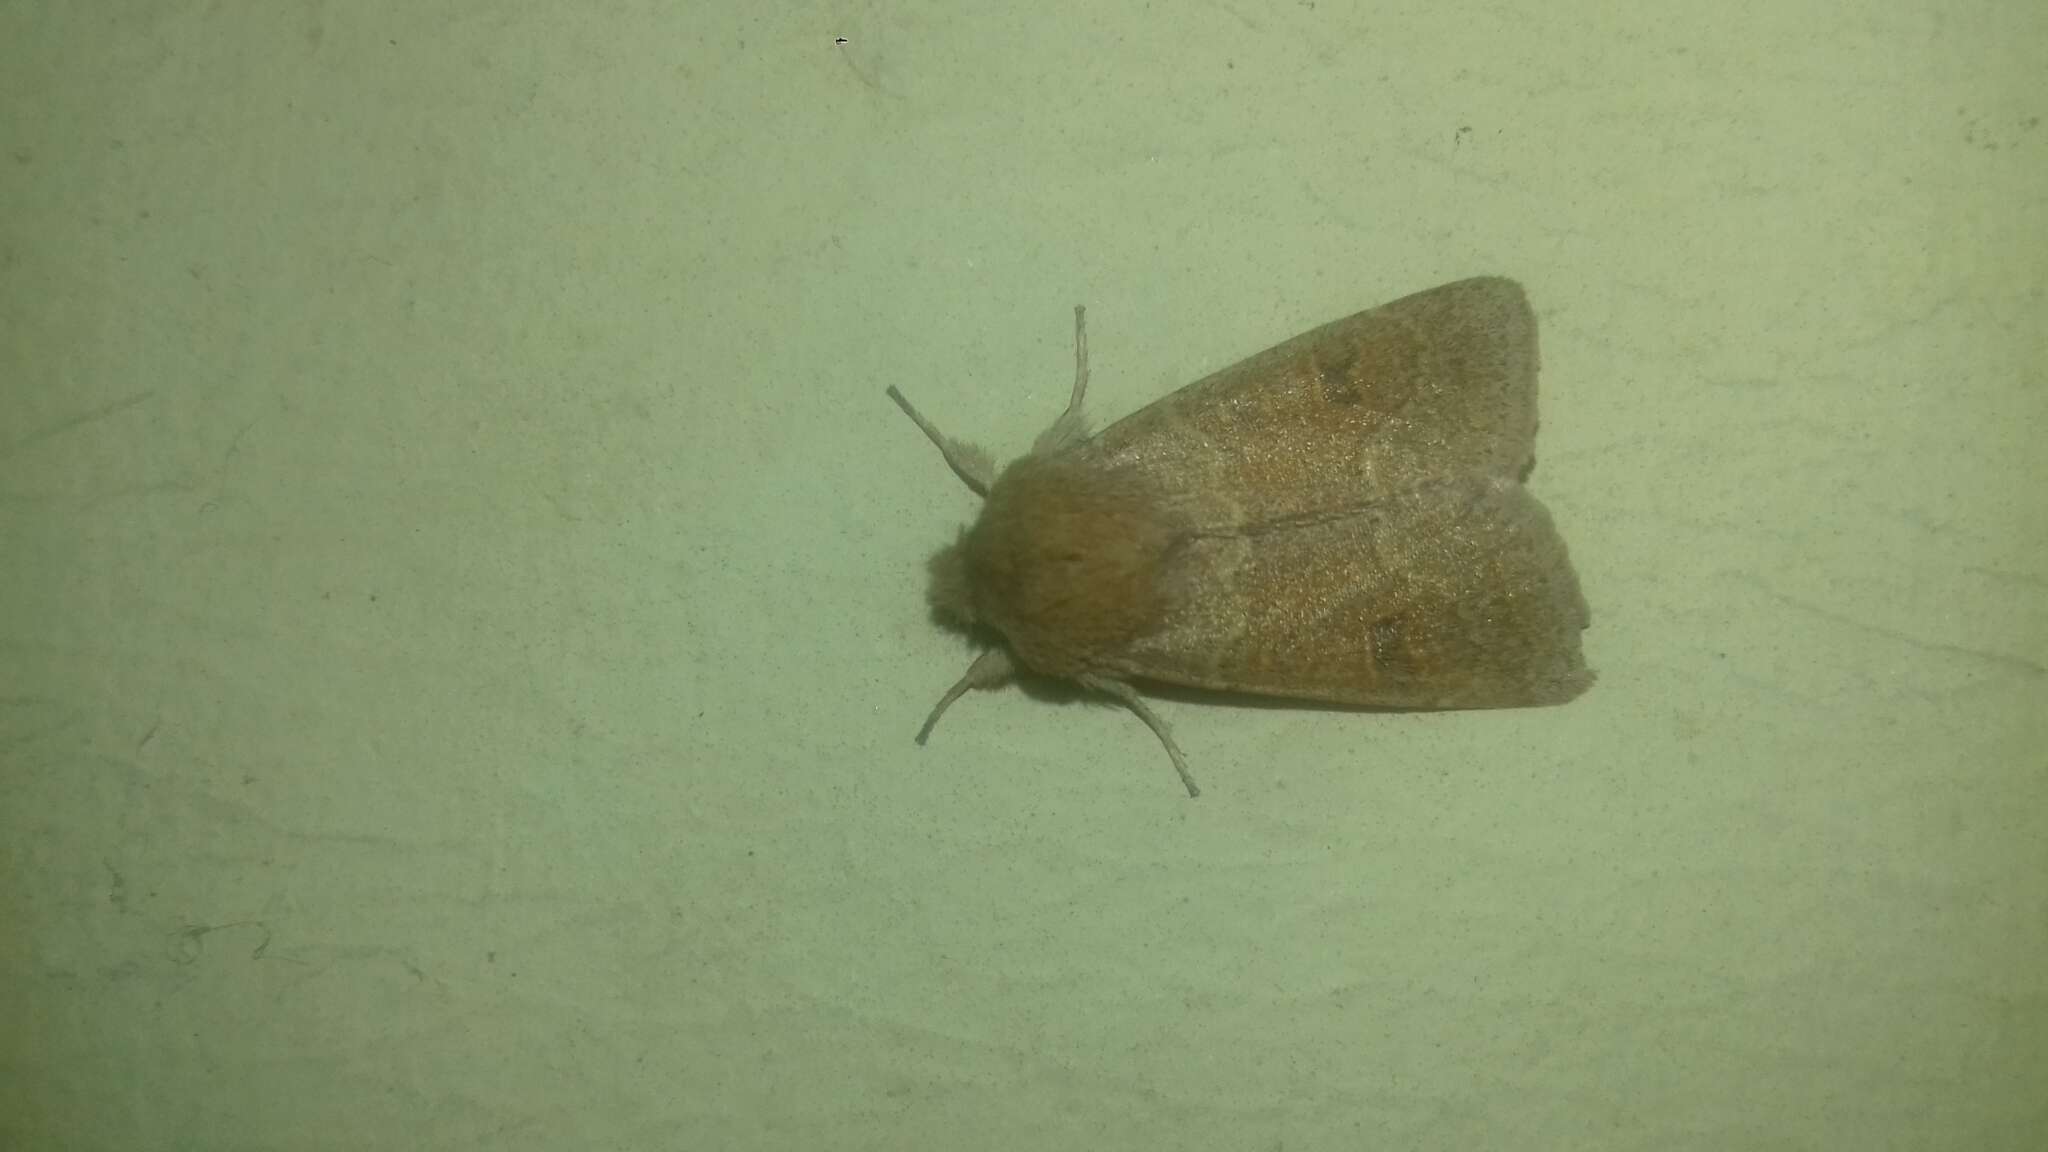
(117, 887)
(839, 40)
(490, 957)
(373, 597)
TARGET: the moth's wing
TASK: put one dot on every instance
(1437, 385)
(1452, 595)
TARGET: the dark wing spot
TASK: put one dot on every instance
(1337, 376)
(1386, 639)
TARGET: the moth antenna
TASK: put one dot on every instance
(1071, 427)
(1129, 698)
(989, 669)
(968, 462)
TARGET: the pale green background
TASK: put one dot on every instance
(460, 623)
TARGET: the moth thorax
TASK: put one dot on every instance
(1066, 562)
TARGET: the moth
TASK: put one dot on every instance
(1341, 518)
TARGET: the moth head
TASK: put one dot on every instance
(951, 593)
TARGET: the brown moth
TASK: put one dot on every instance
(1340, 518)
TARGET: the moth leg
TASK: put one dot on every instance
(968, 462)
(1128, 696)
(989, 669)
(1071, 427)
